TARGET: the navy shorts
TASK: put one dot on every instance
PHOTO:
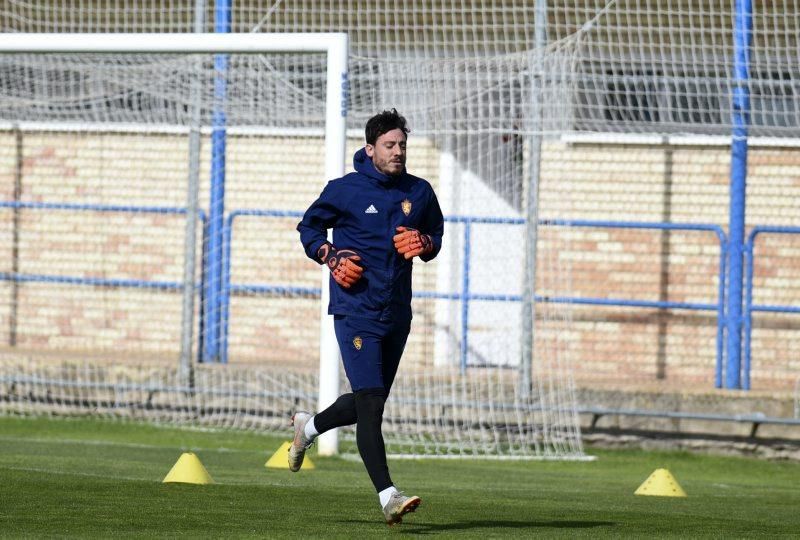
(371, 350)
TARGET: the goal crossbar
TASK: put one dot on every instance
(173, 43)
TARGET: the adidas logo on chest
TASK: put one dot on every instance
(371, 210)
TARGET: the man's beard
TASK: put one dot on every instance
(398, 172)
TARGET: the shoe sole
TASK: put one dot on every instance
(410, 506)
(291, 424)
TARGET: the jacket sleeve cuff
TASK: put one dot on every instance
(437, 245)
(313, 248)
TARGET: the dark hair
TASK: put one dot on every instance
(384, 123)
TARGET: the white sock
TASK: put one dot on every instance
(310, 431)
(386, 494)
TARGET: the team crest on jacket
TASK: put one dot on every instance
(406, 206)
(357, 343)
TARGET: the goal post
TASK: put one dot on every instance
(334, 45)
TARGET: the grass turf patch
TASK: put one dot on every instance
(89, 478)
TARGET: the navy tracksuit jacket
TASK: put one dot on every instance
(364, 208)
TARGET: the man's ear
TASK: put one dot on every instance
(370, 150)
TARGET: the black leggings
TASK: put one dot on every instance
(365, 409)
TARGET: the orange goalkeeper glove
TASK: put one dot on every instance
(341, 263)
(410, 242)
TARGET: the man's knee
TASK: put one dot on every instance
(341, 412)
(345, 403)
(370, 403)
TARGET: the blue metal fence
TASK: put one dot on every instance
(749, 307)
(95, 281)
(211, 316)
(228, 288)
(465, 295)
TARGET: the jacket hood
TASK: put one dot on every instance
(362, 163)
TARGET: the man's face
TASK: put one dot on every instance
(389, 152)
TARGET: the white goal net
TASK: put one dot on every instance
(106, 151)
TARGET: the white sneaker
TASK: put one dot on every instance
(301, 443)
(398, 506)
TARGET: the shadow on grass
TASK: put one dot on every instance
(430, 528)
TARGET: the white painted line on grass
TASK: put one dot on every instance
(98, 442)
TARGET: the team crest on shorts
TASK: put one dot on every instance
(357, 343)
(406, 206)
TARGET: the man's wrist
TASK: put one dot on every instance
(325, 251)
(427, 243)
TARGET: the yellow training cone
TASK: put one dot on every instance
(188, 470)
(661, 483)
(280, 460)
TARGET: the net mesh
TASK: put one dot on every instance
(628, 66)
(619, 82)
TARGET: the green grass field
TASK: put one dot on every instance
(83, 478)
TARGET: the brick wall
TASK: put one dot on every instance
(679, 185)
(45, 316)
(609, 345)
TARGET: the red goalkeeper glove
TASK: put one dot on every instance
(410, 242)
(341, 263)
